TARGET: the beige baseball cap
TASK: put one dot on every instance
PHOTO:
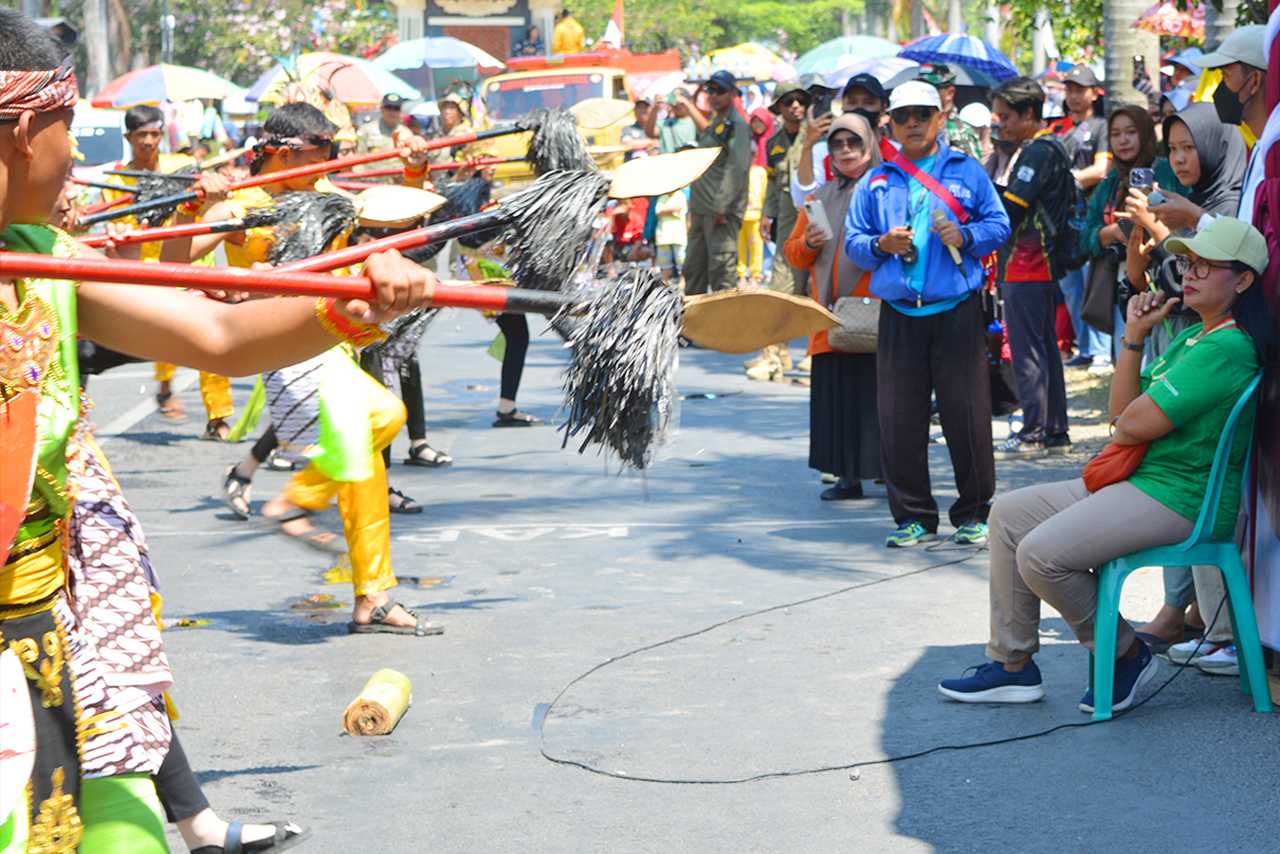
(1225, 239)
(1245, 44)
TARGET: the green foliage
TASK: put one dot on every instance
(1077, 29)
(698, 27)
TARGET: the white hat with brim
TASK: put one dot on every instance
(1245, 44)
(1225, 239)
(914, 93)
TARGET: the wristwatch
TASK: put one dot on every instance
(1137, 348)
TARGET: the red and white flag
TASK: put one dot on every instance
(613, 30)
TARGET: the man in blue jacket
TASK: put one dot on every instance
(922, 222)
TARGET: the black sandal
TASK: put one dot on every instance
(170, 407)
(286, 836)
(428, 457)
(235, 491)
(404, 505)
(378, 624)
(515, 418)
(318, 539)
(216, 430)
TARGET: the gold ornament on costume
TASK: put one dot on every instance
(28, 343)
(57, 827)
(48, 677)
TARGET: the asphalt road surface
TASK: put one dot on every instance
(542, 564)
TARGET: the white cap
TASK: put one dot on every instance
(914, 93)
(976, 115)
(1245, 44)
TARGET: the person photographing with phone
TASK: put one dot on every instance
(718, 199)
(931, 334)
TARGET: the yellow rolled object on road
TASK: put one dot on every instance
(380, 704)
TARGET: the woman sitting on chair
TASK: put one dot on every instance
(1047, 540)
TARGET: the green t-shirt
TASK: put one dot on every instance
(1196, 383)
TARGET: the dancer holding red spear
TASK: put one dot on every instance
(44, 434)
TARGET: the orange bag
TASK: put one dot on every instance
(1114, 464)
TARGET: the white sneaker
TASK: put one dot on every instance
(1101, 367)
(1188, 652)
(1221, 663)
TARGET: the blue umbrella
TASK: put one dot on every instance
(963, 50)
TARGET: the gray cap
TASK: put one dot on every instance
(1245, 44)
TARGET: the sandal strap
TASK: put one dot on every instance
(232, 844)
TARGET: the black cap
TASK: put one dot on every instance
(392, 101)
(1082, 75)
(866, 81)
(725, 80)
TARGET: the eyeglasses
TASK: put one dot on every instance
(902, 115)
(716, 90)
(1200, 268)
(852, 143)
(792, 100)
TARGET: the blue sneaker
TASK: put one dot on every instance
(908, 534)
(1131, 674)
(991, 683)
(971, 534)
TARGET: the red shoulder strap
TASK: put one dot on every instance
(930, 184)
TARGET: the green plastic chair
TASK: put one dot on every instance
(1199, 549)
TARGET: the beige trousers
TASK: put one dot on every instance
(1045, 542)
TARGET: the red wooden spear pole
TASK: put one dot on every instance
(274, 282)
(321, 168)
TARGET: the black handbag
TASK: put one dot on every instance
(1099, 306)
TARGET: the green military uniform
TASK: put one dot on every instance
(778, 206)
(960, 135)
(712, 259)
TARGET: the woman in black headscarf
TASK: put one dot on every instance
(844, 429)
(1209, 158)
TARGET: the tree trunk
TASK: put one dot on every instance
(917, 19)
(96, 45)
(1123, 44)
(1218, 24)
(1039, 43)
(955, 16)
(993, 24)
(32, 8)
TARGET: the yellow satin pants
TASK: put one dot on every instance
(214, 389)
(366, 516)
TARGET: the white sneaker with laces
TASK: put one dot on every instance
(1188, 652)
(1221, 663)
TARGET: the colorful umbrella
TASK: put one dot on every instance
(437, 52)
(1166, 19)
(746, 60)
(157, 83)
(963, 50)
(891, 71)
(350, 79)
(839, 52)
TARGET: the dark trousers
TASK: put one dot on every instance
(1030, 309)
(711, 261)
(415, 406)
(176, 785)
(515, 329)
(944, 354)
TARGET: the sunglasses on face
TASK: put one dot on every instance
(791, 100)
(716, 90)
(902, 115)
(839, 143)
(1199, 268)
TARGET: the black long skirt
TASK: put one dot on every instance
(844, 429)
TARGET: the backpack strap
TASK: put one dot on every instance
(931, 184)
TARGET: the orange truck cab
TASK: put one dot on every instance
(561, 81)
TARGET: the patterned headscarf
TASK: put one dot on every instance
(41, 91)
